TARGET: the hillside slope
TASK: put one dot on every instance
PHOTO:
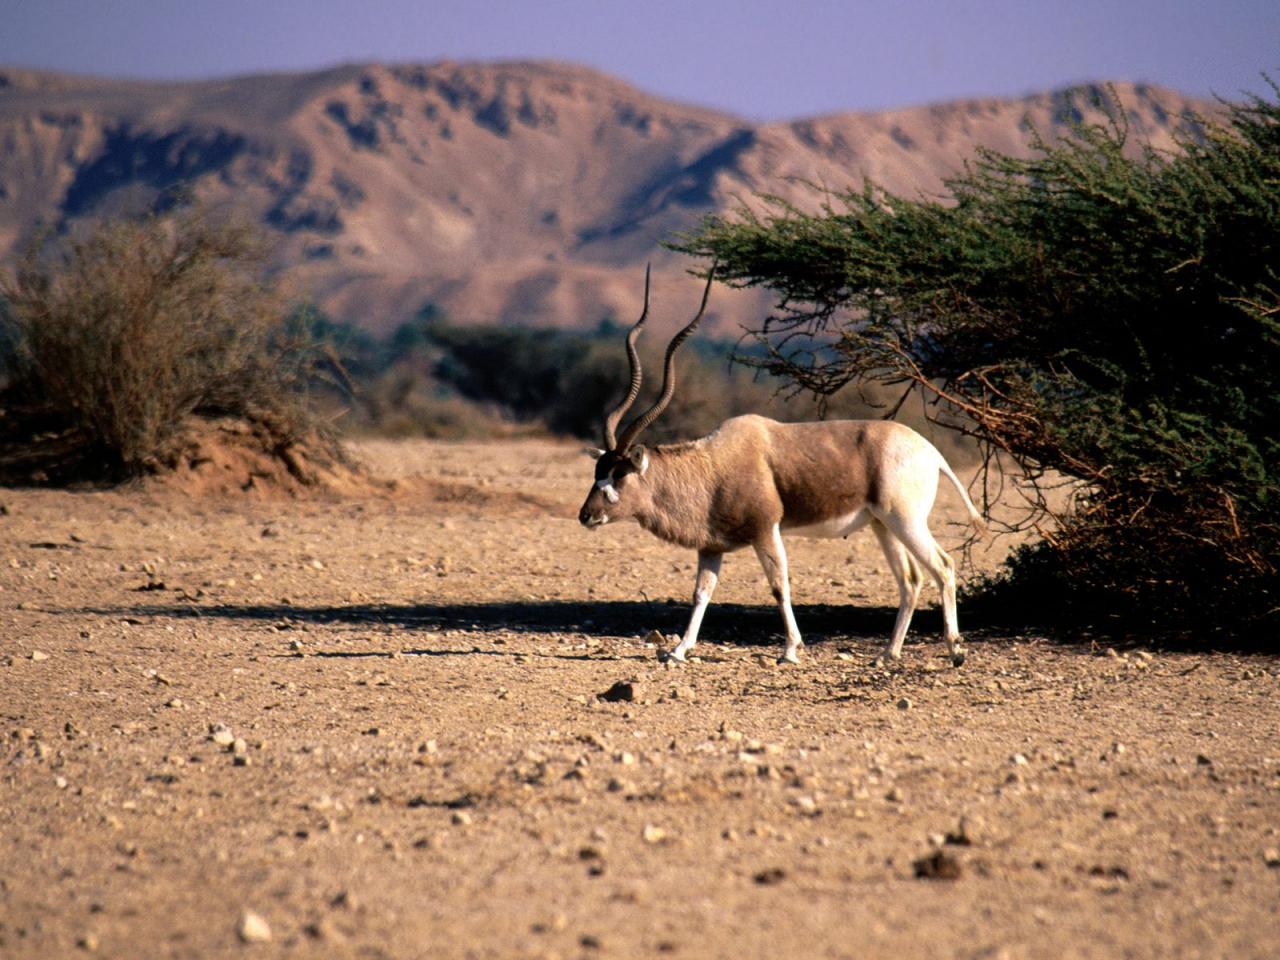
(527, 192)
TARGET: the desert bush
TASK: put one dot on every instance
(1098, 310)
(123, 332)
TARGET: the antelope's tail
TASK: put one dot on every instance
(976, 518)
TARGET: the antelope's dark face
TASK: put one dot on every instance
(614, 495)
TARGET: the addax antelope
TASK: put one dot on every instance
(754, 479)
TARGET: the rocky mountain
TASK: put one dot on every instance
(524, 192)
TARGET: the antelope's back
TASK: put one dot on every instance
(833, 468)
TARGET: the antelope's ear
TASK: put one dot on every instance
(595, 453)
(639, 458)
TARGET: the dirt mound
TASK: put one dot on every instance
(234, 458)
(231, 457)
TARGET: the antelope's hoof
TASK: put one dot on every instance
(789, 657)
(670, 657)
(957, 658)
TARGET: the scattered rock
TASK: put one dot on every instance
(806, 805)
(324, 929)
(1271, 857)
(770, 876)
(557, 922)
(938, 865)
(904, 703)
(624, 691)
(964, 833)
(253, 929)
(461, 818)
(221, 735)
(733, 736)
(38, 655)
(652, 834)
(1110, 873)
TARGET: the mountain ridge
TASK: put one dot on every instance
(514, 191)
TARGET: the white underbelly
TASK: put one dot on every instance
(836, 527)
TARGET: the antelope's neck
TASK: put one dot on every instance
(680, 488)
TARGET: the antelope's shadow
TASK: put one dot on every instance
(733, 623)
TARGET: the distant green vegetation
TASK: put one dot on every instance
(435, 377)
(1106, 313)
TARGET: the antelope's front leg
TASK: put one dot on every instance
(773, 557)
(704, 585)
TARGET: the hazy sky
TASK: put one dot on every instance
(758, 58)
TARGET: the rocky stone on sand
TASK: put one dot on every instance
(938, 865)
(624, 691)
(253, 929)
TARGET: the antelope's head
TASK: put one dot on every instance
(621, 466)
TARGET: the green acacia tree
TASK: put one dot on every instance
(1107, 313)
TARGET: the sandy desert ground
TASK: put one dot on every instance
(370, 727)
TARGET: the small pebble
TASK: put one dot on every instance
(253, 929)
(223, 737)
(652, 834)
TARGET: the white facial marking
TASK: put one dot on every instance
(608, 489)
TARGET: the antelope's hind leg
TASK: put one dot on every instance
(924, 549)
(703, 587)
(773, 558)
(910, 582)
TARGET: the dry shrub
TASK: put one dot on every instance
(121, 334)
